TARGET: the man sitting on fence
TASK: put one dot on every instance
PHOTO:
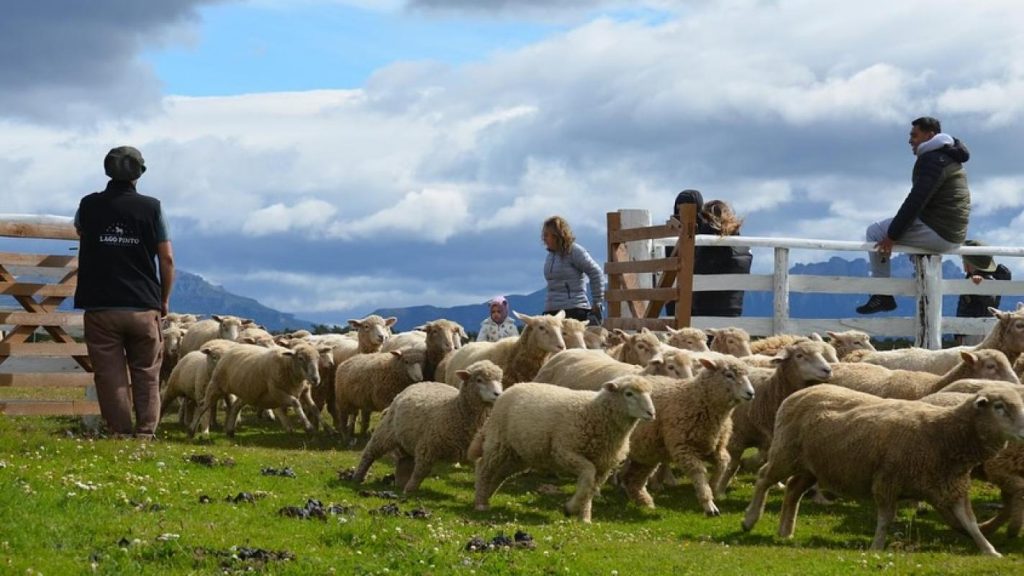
(122, 235)
(934, 214)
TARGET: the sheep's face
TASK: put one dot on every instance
(1003, 410)
(678, 364)
(595, 337)
(372, 331)
(846, 342)
(644, 346)
(485, 378)
(546, 331)
(735, 375)
(689, 339)
(636, 393)
(441, 337)
(230, 327)
(573, 333)
(326, 357)
(306, 361)
(458, 335)
(412, 361)
(172, 342)
(989, 365)
(731, 341)
(808, 359)
(1011, 325)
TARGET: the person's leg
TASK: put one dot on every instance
(144, 352)
(104, 340)
(880, 265)
(919, 235)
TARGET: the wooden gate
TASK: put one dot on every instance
(37, 308)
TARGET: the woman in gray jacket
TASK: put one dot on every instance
(566, 266)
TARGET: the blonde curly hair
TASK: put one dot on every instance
(562, 232)
(720, 216)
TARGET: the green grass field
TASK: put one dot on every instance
(70, 504)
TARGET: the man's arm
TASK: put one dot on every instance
(165, 258)
(929, 178)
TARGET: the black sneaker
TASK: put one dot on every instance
(877, 303)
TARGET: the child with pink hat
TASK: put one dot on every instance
(498, 324)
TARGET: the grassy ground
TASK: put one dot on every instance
(70, 504)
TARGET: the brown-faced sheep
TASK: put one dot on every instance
(863, 446)
(732, 341)
(432, 422)
(576, 432)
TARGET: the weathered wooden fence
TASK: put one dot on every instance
(928, 286)
(37, 303)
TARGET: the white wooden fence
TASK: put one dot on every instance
(928, 286)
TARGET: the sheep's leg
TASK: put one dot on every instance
(796, 487)
(231, 420)
(961, 509)
(586, 481)
(729, 471)
(310, 408)
(364, 424)
(380, 444)
(692, 465)
(720, 461)
(404, 469)
(1012, 491)
(767, 476)
(492, 469)
(205, 407)
(420, 471)
(282, 416)
(189, 407)
(633, 478)
(166, 397)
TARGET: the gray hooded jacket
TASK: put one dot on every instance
(565, 275)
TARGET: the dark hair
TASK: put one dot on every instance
(928, 124)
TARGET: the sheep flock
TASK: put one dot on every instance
(626, 410)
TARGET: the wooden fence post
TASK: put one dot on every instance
(780, 292)
(928, 271)
(614, 280)
(684, 252)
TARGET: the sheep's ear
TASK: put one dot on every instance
(816, 337)
(968, 357)
(832, 335)
(463, 375)
(286, 352)
(980, 402)
(657, 360)
(712, 332)
(522, 317)
(620, 332)
(247, 322)
(644, 330)
(461, 331)
(560, 315)
(355, 323)
(671, 330)
(1020, 305)
(390, 321)
(324, 348)
(610, 386)
(425, 327)
(780, 356)
(217, 318)
(396, 353)
(708, 363)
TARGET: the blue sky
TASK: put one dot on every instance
(330, 157)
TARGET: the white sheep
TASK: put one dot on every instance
(637, 348)
(590, 369)
(987, 364)
(1007, 336)
(548, 428)
(257, 336)
(519, 357)
(796, 367)
(172, 351)
(850, 341)
(436, 339)
(693, 427)
(266, 378)
(224, 327)
(596, 337)
(688, 339)
(574, 333)
(863, 446)
(432, 422)
(732, 341)
(369, 382)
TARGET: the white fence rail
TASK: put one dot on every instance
(928, 286)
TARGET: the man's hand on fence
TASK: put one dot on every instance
(884, 246)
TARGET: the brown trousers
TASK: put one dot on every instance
(126, 349)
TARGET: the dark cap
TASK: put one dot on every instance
(124, 163)
(979, 262)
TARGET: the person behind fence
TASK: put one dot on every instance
(567, 267)
(498, 323)
(689, 196)
(123, 242)
(978, 269)
(718, 218)
(935, 213)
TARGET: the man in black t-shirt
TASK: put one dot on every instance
(123, 242)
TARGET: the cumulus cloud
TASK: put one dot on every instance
(308, 216)
(429, 214)
(62, 61)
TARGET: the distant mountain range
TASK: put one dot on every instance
(755, 304)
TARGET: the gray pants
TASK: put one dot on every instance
(918, 235)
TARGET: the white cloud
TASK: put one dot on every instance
(434, 215)
(306, 217)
